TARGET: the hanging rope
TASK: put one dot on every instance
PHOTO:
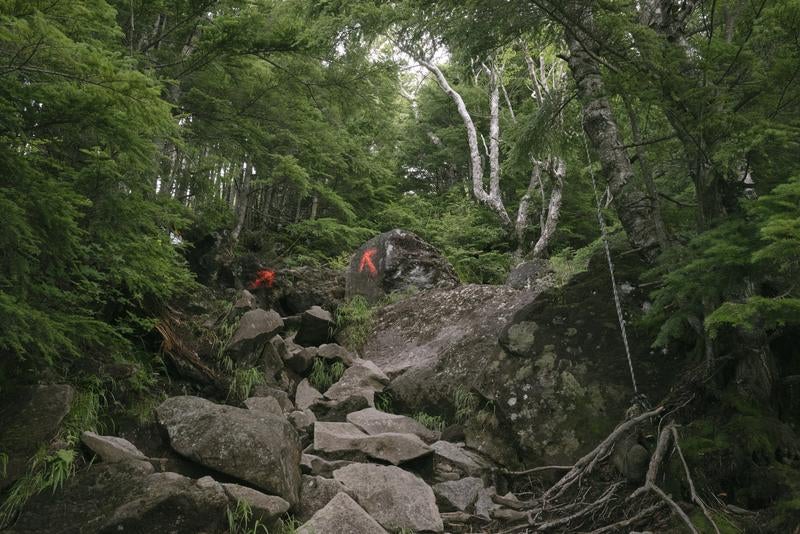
(604, 236)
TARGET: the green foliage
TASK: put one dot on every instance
(286, 525)
(354, 321)
(433, 422)
(243, 382)
(465, 402)
(703, 281)
(50, 469)
(384, 401)
(240, 518)
(325, 373)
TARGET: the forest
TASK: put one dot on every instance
(158, 155)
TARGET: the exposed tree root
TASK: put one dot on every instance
(570, 505)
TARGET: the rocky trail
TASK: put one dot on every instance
(467, 409)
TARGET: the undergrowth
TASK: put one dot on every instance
(50, 469)
(240, 518)
(433, 422)
(325, 373)
(243, 382)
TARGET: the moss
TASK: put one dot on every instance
(724, 524)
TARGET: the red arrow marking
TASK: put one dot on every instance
(264, 276)
(366, 261)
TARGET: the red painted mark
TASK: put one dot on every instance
(366, 261)
(263, 277)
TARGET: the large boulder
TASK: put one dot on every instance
(395, 261)
(255, 446)
(128, 496)
(397, 499)
(255, 328)
(30, 417)
(342, 514)
(546, 368)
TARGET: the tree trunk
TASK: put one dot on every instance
(557, 173)
(633, 207)
(495, 202)
(241, 206)
(647, 175)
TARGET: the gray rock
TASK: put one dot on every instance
(306, 395)
(269, 405)
(260, 448)
(397, 261)
(263, 390)
(484, 505)
(547, 360)
(333, 351)
(244, 301)
(30, 417)
(255, 328)
(337, 411)
(111, 448)
(314, 465)
(315, 493)
(459, 458)
(341, 515)
(266, 508)
(362, 379)
(395, 498)
(127, 496)
(531, 275)
(301, 360)
(374, 421)
(391, 447)
(302, 421)
(631, 459)
(458, 495)
(316, 327)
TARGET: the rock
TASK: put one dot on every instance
(484, 505)
(298, 289)
(269, 405)
(631, 459)
(531, 275)
(245, 301)
(550, 362)
(458, 495)
(374, 421)
(30, 417)
(302, 421)
(395, 498)
(460, 458)
(263, 390)
(396, 261)
(316, 327)
(110, 448)
(390, 447)
(260, 448)
(255, 328)
(273, 354)
(306, 396)
(314, 465)
(362, 379)
(315, 493)
(301, 360)
(337, 411)
(336, 352)
(266, 508)
(127, 496)
(341, 515)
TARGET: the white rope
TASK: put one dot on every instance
(604, 235)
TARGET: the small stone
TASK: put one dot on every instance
(111, 448)
(264, 404)
(306, 395)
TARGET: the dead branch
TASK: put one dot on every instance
(695, 497)
(619, 525)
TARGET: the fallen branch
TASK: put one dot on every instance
(537, 470)
(695, 497)
(619, 525)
